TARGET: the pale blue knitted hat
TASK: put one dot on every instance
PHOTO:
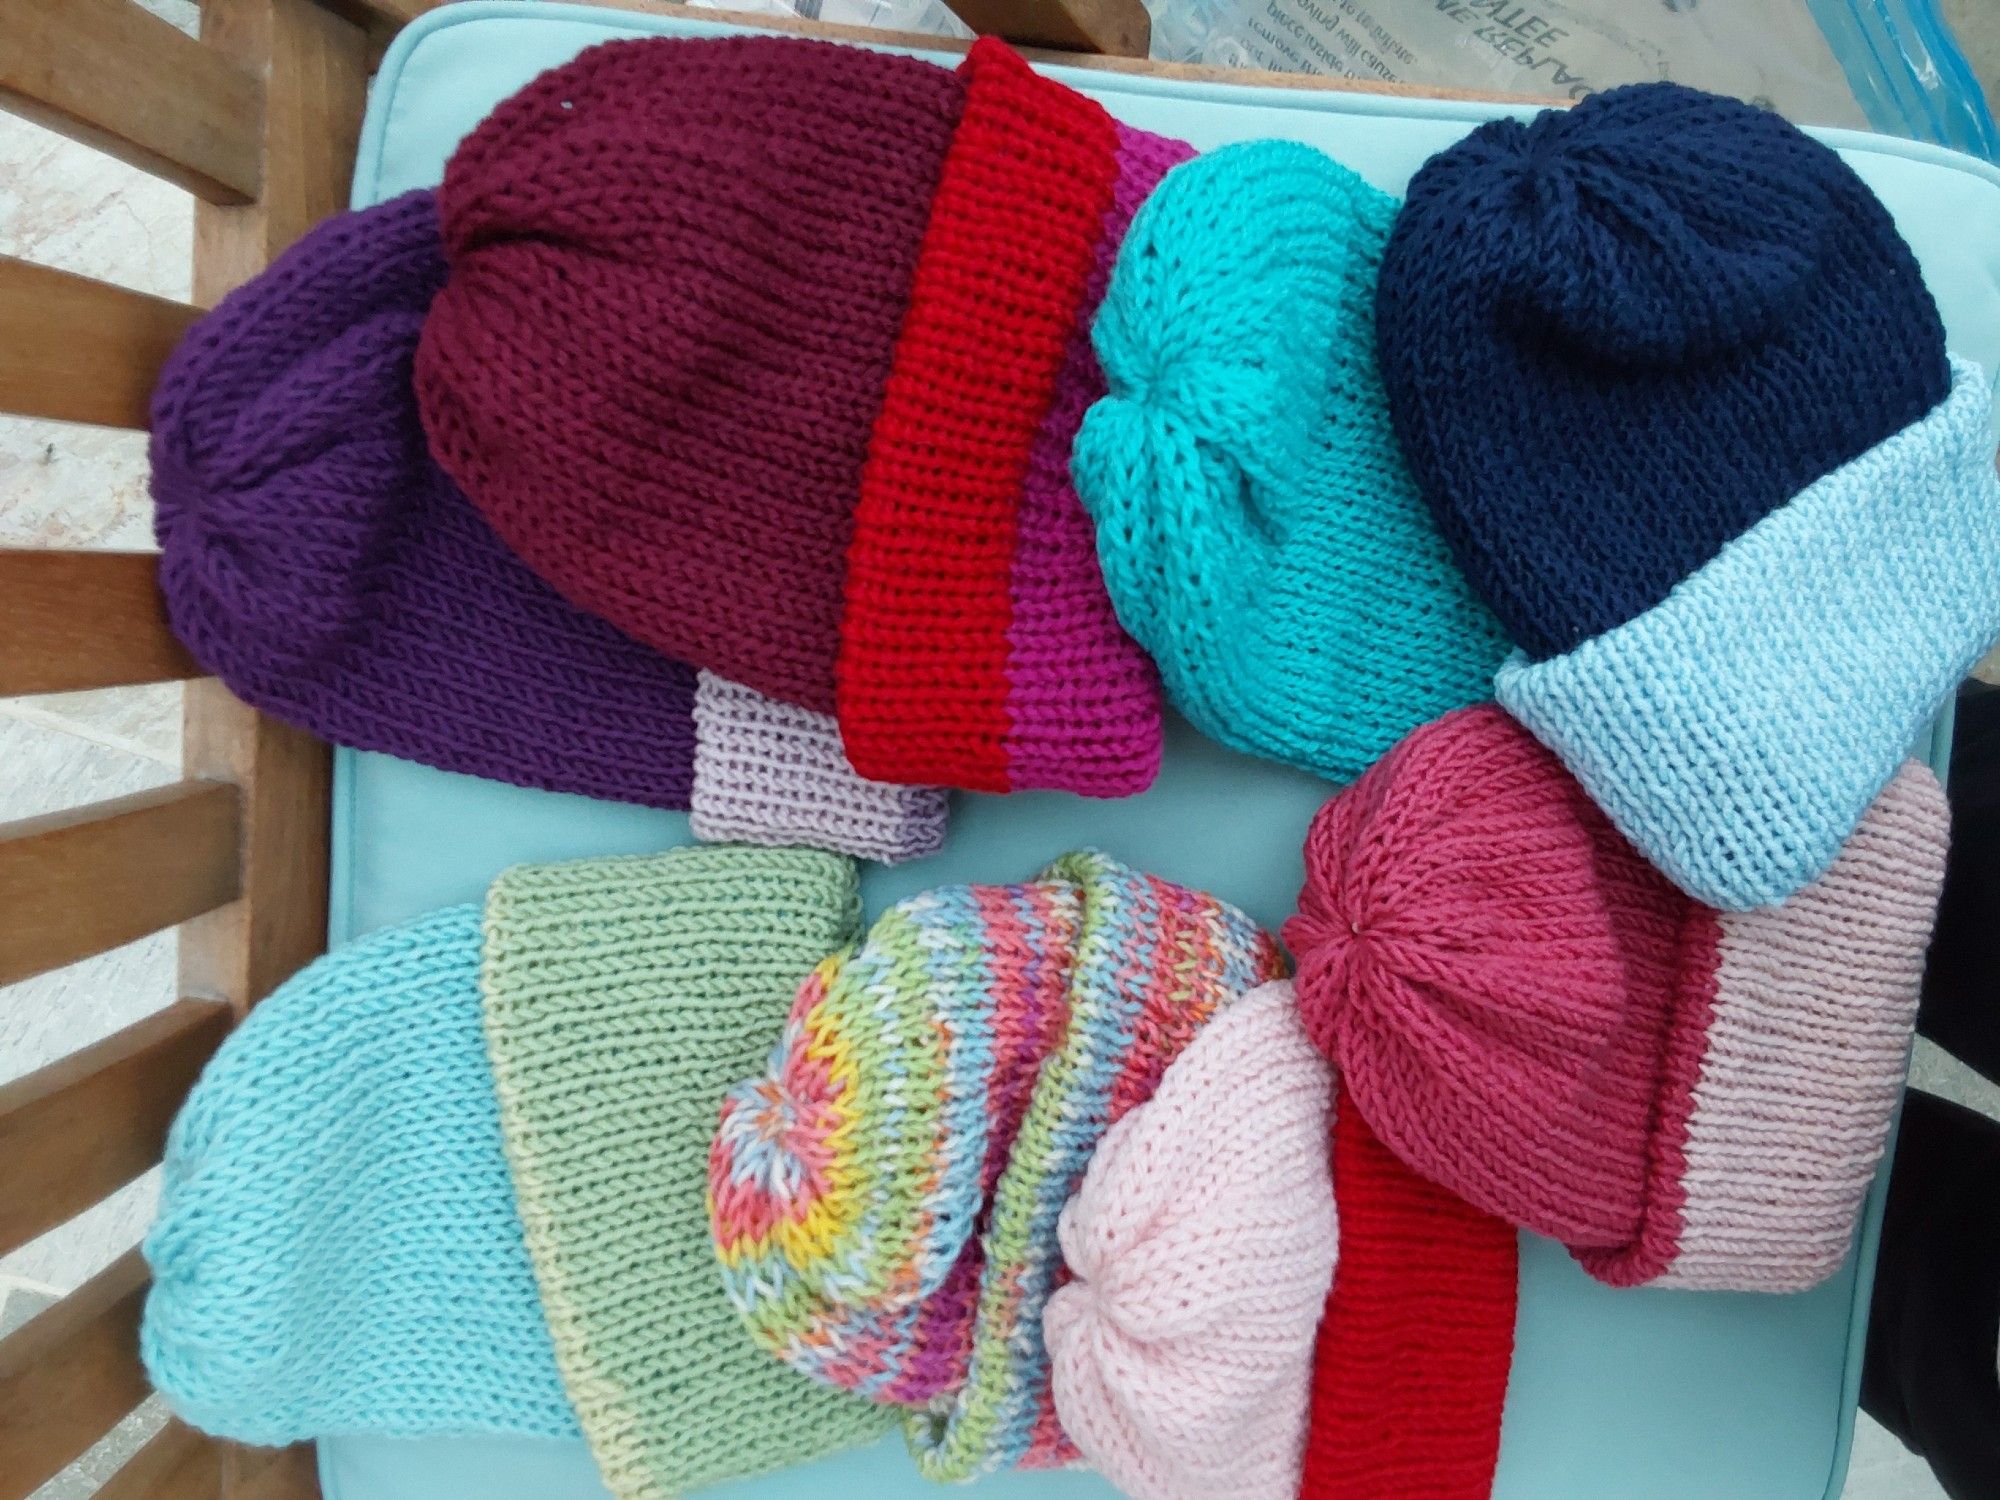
(1737, 730)
(1258, 530)
(338, 1248)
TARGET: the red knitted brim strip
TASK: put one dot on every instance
(922, 679)
(1410, 1374)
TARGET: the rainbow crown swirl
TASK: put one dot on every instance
(884, 1199)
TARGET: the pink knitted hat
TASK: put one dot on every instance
(1532, 1016)
(1201, 1244)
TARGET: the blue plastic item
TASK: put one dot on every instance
(1634, 1395)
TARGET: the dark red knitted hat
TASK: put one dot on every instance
(678, 269)
(772, 352)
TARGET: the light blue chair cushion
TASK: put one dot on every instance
(1631, 1395)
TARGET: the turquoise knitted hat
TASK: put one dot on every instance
(337, 1248)
(1258, 530)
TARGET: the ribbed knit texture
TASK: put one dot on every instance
(337, 1248)
(1258, 530)
(314, 557)
(623, 997)
(767, 772)
(1530, 1015)
(1777, 1108)
(678, 268)
(1737, 731)
(885, 1196)
(1410, 1375)
(1202, 1243)
(1616, 336)
(976, 649)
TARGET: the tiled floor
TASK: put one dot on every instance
(64, 205)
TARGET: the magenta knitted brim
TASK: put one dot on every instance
(1063, 620)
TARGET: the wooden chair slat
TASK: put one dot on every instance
(68, 1375)
(1113, 28)
(177, 1463)
(85, 1126)
(72, 620)
(81, 350)
(115, 76)
(270, 1473)
(79, 882)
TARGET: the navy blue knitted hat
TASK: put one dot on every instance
(1679, 401)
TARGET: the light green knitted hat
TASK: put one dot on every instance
(1259, 532)
(623, 997)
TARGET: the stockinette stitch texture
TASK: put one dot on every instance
(979, 649)
(316, 559)
(885, 1195)
(623, 998)
(1258, 530)
(1527, 1013)
(769, 772)
(337, 1248)
(678, 268)
(1679, 400)
(1201, 1244)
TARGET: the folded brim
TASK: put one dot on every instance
(978, 647)
(1783, 1064)
(773, 773)
(1737, 730)
(621, 998)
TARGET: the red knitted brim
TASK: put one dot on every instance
(922, 681)
(1410, 1374)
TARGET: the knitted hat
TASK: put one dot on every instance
(885, 1196)
(1527, 1013)
(767, 772)
(1202, 1243)
(979, 649)
(1679, 400)
(1410, 1373)
(317, 560)
(1259, 533)
(623, 997)
(677, 271)
(337, 1248)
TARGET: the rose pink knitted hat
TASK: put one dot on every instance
(1531, 1015)
(1201, 1244)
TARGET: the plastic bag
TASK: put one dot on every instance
(1887, 65)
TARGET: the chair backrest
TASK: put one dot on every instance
(257, 118)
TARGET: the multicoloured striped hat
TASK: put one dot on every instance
(885, 1196)
(1530, 1014)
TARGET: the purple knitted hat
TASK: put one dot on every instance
(318, 561)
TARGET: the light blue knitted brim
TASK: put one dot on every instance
(1737, 731)
(338, 1248)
